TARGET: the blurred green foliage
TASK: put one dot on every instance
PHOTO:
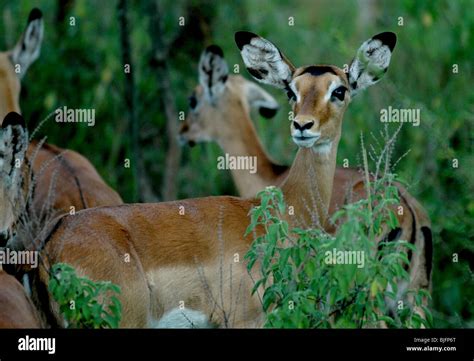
(80, 66)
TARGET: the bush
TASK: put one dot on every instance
(304, 285)
(82, 302)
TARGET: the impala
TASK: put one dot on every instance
(63, 179)
(220, 111)
(16, 309)
(189, 253)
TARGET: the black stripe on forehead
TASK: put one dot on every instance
(318, 70)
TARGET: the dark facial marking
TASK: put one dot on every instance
(318, 70)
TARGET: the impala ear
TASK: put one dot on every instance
(13, 142)
(213, 72)
(27, 50)
(13, 146)
(263, 60)
(14, 133)
(371, 61)
(261, 100)
(13, 119)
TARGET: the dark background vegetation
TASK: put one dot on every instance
(82, 67)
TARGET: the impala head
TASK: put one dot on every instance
(219, 98)
(13, 145)
(15, 62)
(319, 94)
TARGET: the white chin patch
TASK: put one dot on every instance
(323, 148)
(304, 143)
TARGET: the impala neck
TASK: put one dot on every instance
(9, 89)
(245, 142)
(308, 187)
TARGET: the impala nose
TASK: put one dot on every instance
(305, 126)
(303, 133)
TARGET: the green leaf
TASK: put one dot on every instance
(88, 312)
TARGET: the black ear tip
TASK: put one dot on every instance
(388, 38)
(268, 112)
(243, 38)
(13, 118)
(215, 49)
(34, 15)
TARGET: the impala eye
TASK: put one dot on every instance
(339, 93)
(192, 101)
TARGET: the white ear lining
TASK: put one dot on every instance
(263, 60)
(371, 62)
(28, 48)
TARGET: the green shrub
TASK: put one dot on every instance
(82, 302)
(303, 288)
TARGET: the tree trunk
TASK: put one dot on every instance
(158, 61)
(133, 124)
